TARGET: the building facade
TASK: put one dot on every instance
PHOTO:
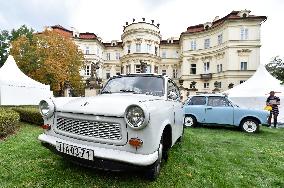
(213, 56)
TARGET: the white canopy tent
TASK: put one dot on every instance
(254, 92)
(18, 89)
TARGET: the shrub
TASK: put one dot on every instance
(9, 120)
(29, 115)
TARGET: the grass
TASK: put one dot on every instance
(207, 157)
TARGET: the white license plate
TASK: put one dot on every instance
(75, 151)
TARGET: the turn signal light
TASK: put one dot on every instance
(47, 127)
(135, 142)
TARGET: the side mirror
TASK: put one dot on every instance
(172, 95)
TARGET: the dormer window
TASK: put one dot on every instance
(113, 43)
(244, 13)
(207, 25)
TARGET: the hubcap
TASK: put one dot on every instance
(250, 126)
(188, 121)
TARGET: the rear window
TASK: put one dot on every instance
(197, 101)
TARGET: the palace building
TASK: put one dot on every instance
(213, 56)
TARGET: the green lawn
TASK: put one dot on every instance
(215, 157)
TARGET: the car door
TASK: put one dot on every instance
(177, 112)
(219, 111)
(196, 107)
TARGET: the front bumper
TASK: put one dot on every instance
(105, 153)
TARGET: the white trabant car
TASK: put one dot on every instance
(133, 122)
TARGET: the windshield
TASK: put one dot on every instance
(150, 85)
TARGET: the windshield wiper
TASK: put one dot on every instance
(105, 92)
(127, 90)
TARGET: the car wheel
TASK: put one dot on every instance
(154, 170)
(250, 126)
(190, 121)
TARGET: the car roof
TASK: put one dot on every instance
(141, 74)
(209, 95)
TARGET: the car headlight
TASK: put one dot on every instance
(135, 117)
(46, 108)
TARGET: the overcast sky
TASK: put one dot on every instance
(106, 18)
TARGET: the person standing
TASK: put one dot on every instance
(273, 101)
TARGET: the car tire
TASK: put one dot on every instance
(154, 170)
(190, 121)
(250, 125)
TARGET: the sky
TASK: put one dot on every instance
(106, 18)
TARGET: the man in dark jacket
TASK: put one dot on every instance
(273, 101)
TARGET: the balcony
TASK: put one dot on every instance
(206, 77)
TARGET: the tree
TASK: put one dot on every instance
(276, 68)
(6, 38)
(4, 46)
(22, 31)
(51, 59)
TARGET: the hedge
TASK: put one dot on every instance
(29, 115)
(9, 121)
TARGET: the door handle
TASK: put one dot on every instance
(209, 108)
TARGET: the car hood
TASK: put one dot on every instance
(106, 104)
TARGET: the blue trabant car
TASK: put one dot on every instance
(218, 109)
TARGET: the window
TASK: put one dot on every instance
(193, 69)
(156, 69)
(108, 56)
(137, 68)
(117, 73)
(128, 49)
(148, 69)
(87, 70)
(138, 47)
(220, 39)
(244, 65)
(244, 33)
(206, 67)
(117, 55)
(149, 48)
(164, 72)
(219, 84)
(107, 75)
(87, 50)
(164, 54)
(197, 101)
(193, 45)
(175, 73)
(207, 43)
(156, 50)
(218, 102)
(219, 68)
(176, 54)
(128, 69)
(242, 81)
(206, 85)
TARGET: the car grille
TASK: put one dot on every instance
(97, 129)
